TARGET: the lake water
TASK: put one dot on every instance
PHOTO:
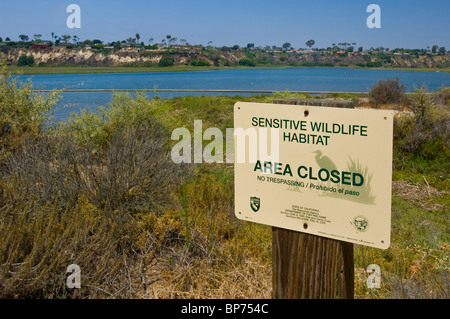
(295, 79)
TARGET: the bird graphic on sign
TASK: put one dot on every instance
(324, 161)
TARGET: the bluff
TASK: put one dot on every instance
(53, 56)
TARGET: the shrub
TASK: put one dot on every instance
(38, 243)
(376, 64)
(75, 193)
(318, 64)
(442, 96)
(23, 112)
(132, 155)
(200, 63)
(25, 60)
(46, 222)
(247, 62)
(426, 133)
(166, 60)
(388, 91)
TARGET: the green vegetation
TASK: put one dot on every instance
(200, 63)
(417, 264)
(25, 60)
(169, 53)
(247, 62)
(177, 68)
(100, 190)
(166, 60)
(23, 113)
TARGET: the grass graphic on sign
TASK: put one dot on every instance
(365, 191)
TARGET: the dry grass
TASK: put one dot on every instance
(423, 195)
(199, 278)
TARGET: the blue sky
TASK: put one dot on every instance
(404, 23)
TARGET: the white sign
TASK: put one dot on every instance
(319, 170)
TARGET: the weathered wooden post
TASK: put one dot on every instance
(310, 267)
(306, 266)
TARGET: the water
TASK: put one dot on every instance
(300, 79)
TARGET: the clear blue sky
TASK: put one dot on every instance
(404, 23)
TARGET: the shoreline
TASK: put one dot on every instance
(44, 70)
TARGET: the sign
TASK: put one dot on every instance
(322, 171)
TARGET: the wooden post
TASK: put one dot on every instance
(310, 267)
(306, 266)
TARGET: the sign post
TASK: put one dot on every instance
(321, 177)
(307, 266)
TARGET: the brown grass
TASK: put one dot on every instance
(199, 278)
(423, 195)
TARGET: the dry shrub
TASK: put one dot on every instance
(426, 133)
(66, 199)
(422, 273)
(388, 91)
(442, 96)
(38, 244)
(169, 266)
(434, 286)
(133, 173)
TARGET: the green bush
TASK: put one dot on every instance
(25, 60)
(166, 60)
(426, 133)
(23, 112)
(200, 63)
(247, 62)
(376, 64)
(318, 64)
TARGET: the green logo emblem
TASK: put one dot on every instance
(255, 203)
(361, 223)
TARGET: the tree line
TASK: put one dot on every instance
(169, 41)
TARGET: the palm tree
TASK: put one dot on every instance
(150, 41)
(66, 38)
(54, 37)
(138, 36)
